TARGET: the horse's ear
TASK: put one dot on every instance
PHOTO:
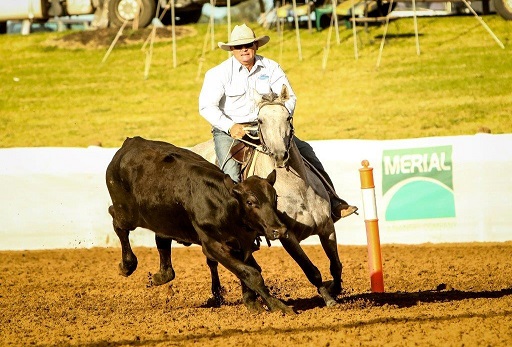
(257, 96)
(285, 95)
(271, 178)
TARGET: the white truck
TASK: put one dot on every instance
(106, 12)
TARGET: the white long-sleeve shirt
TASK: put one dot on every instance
(226, 97)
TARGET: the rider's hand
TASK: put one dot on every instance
(237, 131)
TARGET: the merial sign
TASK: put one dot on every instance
(417, 183)
(411, 163)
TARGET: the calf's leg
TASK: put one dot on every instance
(128, 262)
(248, 274)
(166, 272)
(249, 297)
(128, 259)
(217, 299)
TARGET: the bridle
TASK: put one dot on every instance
(253, 130)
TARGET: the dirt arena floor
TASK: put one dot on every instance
(436, 295)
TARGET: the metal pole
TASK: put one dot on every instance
(297, 33)
(483, 24)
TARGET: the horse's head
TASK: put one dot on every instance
(275, 125)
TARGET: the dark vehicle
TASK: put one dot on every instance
(503, 8)
(186, 11)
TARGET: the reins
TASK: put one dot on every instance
(256, 128)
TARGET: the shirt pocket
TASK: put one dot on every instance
(234, 94)
(263, 84)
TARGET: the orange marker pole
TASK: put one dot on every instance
(372, 227)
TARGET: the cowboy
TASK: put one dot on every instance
(226, 102)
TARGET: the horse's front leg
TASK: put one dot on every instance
(292, 246)
(330, 246)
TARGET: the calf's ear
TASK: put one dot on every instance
(234, 189)
(271, 178)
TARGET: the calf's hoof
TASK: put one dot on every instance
(254, 306)
(163, 277)
(127, 268)
(277, 305)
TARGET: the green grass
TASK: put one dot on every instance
(462, 80)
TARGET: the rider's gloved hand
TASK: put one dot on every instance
(237, 131)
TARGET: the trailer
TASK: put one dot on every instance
(379, 8)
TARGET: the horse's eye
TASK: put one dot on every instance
(289, 118)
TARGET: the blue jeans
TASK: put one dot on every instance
(223, 142)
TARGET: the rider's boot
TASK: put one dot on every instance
(340, 208)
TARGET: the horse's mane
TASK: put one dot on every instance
(269, 97)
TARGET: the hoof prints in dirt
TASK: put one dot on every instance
(448, 295)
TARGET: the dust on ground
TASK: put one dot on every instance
(446, 294)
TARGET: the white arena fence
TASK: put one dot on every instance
(436, 189)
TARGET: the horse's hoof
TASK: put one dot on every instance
(328, 299)
(215, 302)
(331, 303)
(334, 289)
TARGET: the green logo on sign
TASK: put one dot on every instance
(417, 183)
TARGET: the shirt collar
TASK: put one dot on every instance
(258, 62)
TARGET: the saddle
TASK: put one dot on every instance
(244, 154)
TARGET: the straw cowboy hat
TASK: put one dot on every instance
(242, 35)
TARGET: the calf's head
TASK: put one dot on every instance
(258, 201)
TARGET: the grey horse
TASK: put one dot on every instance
(303, 201)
